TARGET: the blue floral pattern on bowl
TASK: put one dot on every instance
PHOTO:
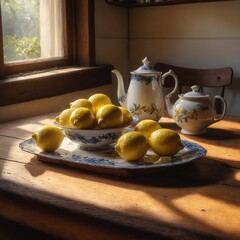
(92, 139)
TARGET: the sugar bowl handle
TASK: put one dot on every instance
(218, 118)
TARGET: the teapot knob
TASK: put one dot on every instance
(195, 88)
(146, 61)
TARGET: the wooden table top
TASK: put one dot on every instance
(199, 200)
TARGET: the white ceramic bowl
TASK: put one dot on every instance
(95, 139)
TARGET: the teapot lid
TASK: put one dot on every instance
(145, 69)
(195, 93)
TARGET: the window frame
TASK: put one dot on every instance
(76, 72)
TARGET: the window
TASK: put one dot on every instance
(32, 30)
(48, 57)
(34, 34)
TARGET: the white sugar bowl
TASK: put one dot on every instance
(194, 111)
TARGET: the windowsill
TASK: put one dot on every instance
(19, 89)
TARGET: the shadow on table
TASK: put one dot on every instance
(211, 134)
(192, 178)
(220, 134)
(204, 171)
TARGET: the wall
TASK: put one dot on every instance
(200, 35)
(195, 35)
(111, 48)
(111, 37)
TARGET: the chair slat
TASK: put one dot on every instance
(213, 78)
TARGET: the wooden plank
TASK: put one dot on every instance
(63, 224)
(23, 128)
(170, 204)
(52, 83)
(205, 170)
(221, 141)
(194, 201)
(11, 151)
(20, 231)
(225, 131)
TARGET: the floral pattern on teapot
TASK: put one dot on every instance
(144, 98)
(145, 79)
(137, 109)
(182, 114)
(194, 111)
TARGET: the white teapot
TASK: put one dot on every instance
(194, 111)
(144, 98)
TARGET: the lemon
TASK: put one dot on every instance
(132, 146)
(82, 102)
(98, 100)
(109, 116)
(165, 142)
(48, 138)
(127, 118)
(163, 159)
(147, 127)
(82, 118)
(64, 118)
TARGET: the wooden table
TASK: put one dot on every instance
(199, 200)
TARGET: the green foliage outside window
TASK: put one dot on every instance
(21, 38)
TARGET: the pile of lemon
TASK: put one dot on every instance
(98, 111)
(149, 134)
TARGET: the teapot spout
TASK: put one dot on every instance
(121, 94)
(169, 106)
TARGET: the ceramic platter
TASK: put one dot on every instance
(108, 161)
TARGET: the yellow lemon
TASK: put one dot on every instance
(82, 118)
(64, 118)
(109, 116)
(147, 127)
(132, 146)
(127, 118)
(165, 142)
(98, 100)
(82, 102)
(48, 138)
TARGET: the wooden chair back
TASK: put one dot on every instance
(213, 78)
(220, 77)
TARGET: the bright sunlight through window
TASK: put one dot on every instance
(32, 29)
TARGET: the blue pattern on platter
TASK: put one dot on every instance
(109, 158)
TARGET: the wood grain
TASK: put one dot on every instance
(200, 200)
(52, 83)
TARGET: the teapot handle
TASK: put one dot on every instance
(169, 105)
(216, 119)
(171, 73)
